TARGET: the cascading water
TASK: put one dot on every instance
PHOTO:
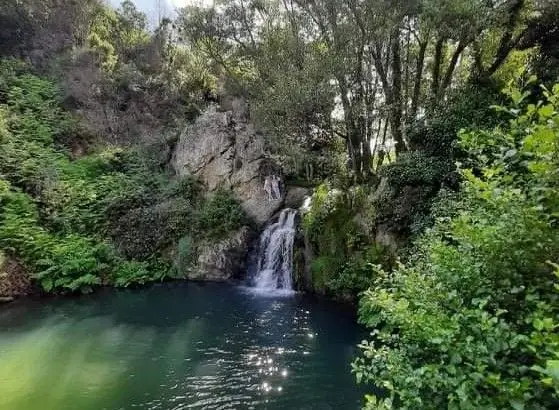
(275, 254)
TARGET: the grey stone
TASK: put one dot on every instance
(295, 196)
(223, 150)
(221, 261)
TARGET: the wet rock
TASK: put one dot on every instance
(223, 260)
(295, 196)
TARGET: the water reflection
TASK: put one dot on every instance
(177, 347)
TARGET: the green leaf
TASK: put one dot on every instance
(47, 284)
(546, 111)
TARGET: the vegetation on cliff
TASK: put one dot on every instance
(435, 194)
(109, 217)
(470, 320)
(82, 208)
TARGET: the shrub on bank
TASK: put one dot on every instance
(470, 321)
(108, 217)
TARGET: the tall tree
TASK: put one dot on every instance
(390, 60)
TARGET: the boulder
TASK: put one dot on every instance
(223, 260)
(295, 196)
(223, 150)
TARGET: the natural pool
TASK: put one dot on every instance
(178, 346)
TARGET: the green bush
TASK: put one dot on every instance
(466, 108)
(217, 216)
(329, 223)
(186, 187)
(339, 240)
(56, 213)
(470, 321)
(59, 263)
(133, 272)
(145, 231)
(323, 269)
(416, 168)
(416, 176)
(358, 272)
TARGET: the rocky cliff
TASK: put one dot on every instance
(223, 150)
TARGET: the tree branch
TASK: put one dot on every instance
(437, 61)
(462, 44)
(507, 42)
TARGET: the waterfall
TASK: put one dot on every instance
(275, 254)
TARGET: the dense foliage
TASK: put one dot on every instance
(50, 203)
(339, 228)
(362, 71)
(105, 218)
(371, 103)
(471, 320)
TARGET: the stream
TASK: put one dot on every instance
(178, 346)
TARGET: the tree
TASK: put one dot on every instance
(391, 61)
(115, 33)
(470, 321)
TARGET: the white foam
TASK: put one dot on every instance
(275, 256)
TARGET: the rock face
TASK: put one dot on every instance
(14, 279)
(223, 150)
(295, 196)
(221, 261)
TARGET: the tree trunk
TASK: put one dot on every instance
(366, 157)
(381, 152)
(377, 139)
(396, 103)
(354, 139)
(407, 76)
(417, 82)
(452, 65)
(437, 61)
(507, 42)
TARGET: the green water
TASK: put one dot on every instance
(177, 347)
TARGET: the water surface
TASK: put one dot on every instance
(178, 346)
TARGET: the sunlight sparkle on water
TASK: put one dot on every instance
(99, 353)
(266, 387)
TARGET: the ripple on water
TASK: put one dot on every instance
(183, 347)
(268, 293)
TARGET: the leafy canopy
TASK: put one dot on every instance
(471, 320)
